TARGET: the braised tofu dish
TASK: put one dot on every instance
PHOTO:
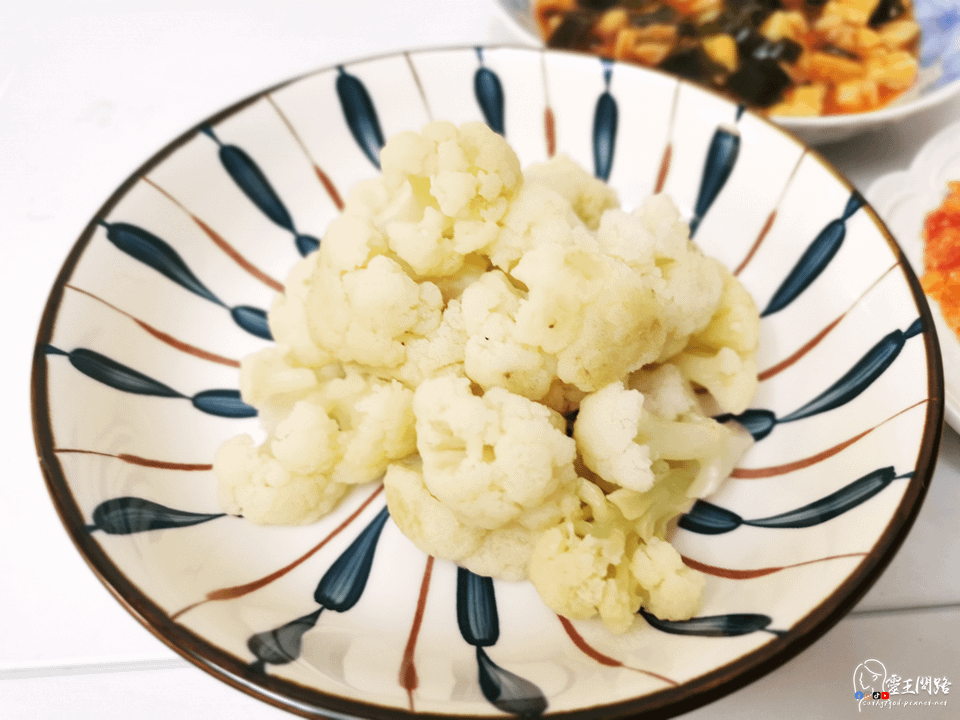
(782, 57)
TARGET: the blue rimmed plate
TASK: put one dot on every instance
(135, 386)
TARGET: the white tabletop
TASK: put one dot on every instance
(89, 89)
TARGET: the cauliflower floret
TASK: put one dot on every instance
(426, 245)
(537, 215)
(259, 487)
(689, 295)
(595, 564)
(606, 432)
(366, 315)
(350, 242)
(736, 323)
(451, 188)
(502, 552)
(581, 305)
(271, 380)
(669, 589)
(589, 196)
(661, 217)
(490, 459)
(581, 576)
(452, 287)
(376, 424)
(344, 433)
(492, 355)
(439, 353)
(619, 438)
(624, 236)
(721, 357)
(305, 442)
(666, 393)
(426, 521)
(288, 316)
(730, 378)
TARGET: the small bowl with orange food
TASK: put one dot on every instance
(825, 70)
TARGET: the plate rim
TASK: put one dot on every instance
(301, 699)
(881, 189)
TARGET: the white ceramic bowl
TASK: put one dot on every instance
(135, 378)
(938, 82)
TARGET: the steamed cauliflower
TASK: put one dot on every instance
(366, 315)
(607, 433)
(490, 459)
(523, 363)
(584, 575)
(668, 588)
(346, 431)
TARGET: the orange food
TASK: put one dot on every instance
(941, 256)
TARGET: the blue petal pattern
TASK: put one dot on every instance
(253, 320)
(605, 127)
(281, 645)
(129, 515)
(111, 373)
(480, 626)
(223, 403)
(757, 422)
(343, 583)
(254, 184)
(706, 518)
(837, 503)
(507, 691)
(339, 590)
(361, 115)
(489, 93)
(709, 519)
(477, 609)
(721, 158)
(870, 367)
(730, 625)
(146, 247)
(816, 257)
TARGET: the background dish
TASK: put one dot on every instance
(126, 419)
(903, 199)
(938, 82)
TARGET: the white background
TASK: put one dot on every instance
(90, 89)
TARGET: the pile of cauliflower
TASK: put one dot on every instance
(524, 364)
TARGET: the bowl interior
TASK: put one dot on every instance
(136, 385)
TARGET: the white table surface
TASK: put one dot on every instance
(89, 89)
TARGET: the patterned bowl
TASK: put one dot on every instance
(938, 82)
(135, 377)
